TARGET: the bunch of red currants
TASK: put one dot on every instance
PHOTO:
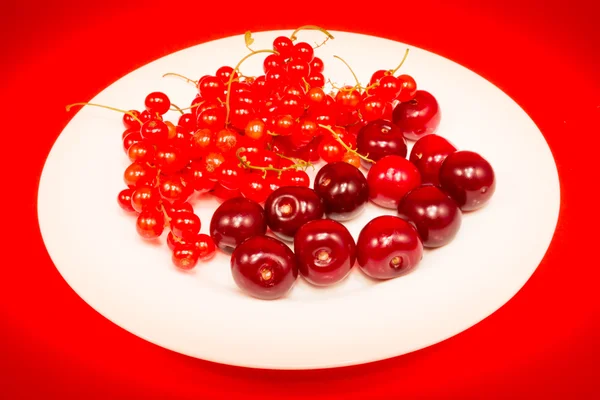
(249, 140)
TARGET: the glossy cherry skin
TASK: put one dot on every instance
(390, 179)
(468, 178)
(435, 215)
(290, 207)
(380, 138)
(428, 154)
(344, 190)
(264, 267)
(325, 251)
(388, 247)
(418, 117)
(236, 220)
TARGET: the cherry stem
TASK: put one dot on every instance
(132, 115)
(177, 108)
(392, 72)
(244, 161)
(358, 85)
(182, 77)
(312, 27)
(348, 148)
(237, 69)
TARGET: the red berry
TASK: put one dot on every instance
(316, 80)
(273, 61)
(222, 194)
(236, 220)
(389, 88)
(284, 46)
(303, 52)
(170, 159)
(157, 102)
(288, 208)
(155, 132)
(408, 88)
(224, 74)
(212, 88)
(230, 175)
(380, 138)
(330, 150)
(185, 225)
(371, 108)
(185, 256)
(197, 177)
(150, 224)
(131, 123)
(227, 140)
(316, 65)
(130, 138)
(138, 174)
(124, 199)
(343, 189)
(172, 188)
(145, 198)
(428, 154)
(141, 151)
(388, 247)
(206, 247)
(390, 179)
(418, 117)
(295, 178)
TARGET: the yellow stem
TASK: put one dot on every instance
(132, 115)
(312, 27)
(348, 148)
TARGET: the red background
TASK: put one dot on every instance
(544, 342)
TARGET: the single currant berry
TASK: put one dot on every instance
(222, 194)
(408, 88)
(224, 74)
(255, 129)
(172, 188)
(303, 52)
(185, 225)
(419, 116)
(255, 187)
(139, 174)
(145, 198)
(236, 220)
(212, 88)
(325, 251)
(143, 152)
(157, 102)
(284, 46)
(317, 65)
(124, 200)
(343, 189)
(468, 178)
(150, 224)
(230, 174)
(273, 61)
(197, 177)
(264, 267)
(428, 154)
(155, 132)
(390, 178)
(288, 208)
(206, 247)
(130, 138)
(227, 140)
(435, 215)
(185, 256)
(130, 121)
(171, 159)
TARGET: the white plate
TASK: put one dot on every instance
(202, 314)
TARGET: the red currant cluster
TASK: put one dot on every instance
(248, 141)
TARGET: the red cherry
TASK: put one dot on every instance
(236, 220)
(428, 154)
(343, 189)
(388, 247)
(380, 138)
(418, 117)
(157, 102)
(288, 208)
(390, 179)
(264, 267)
(468, 178)
(325, 251)
(124, 199)
(435, 215)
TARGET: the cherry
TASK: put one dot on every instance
(264, 267)
(428, 154)
(157, 102)
(185, 256)
(289, 207)
(284, 46)
(150, 224)
(419, 116)
(325, 251)
(235, 220)
(380, 138)
(145, 197)
(124, 199)
(388, 247)
(435, 215)
(390, 178)
(343, 189)
(185, 225)
(468, 178)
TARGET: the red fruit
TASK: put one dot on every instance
(222, 194)
(316, 80)
(172, 188)
(303, 52)
(316, 65)
(468, 178)
(124, 199)
(380, 138)
(330, 150)
(236, 220)
(388, 247)
(211, 88)
(150, 224)
(428, 154)
(155, 132)
(325, 251)
(130, 138)
(389, 88)
(390, 179)
(435, 215)
(255, 187)
(284, 46)
(157, 102)
(226, 140)
(170, 159)
(371, 108)
(224, 74)
(197, 177)
(185, 225)
(141, 151)
(295, 177)
(230, 175)
(288, 208)
(185, 256)
(418, 117)
(131, 123)
(264, 267)
(138, 174)
(343, 189)
(408, 88)
(206, 247)
(201, 143)
(145, 197)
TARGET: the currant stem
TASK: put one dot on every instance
(237, 69)
(167, 218)
(194, 106)
(358, 85)
(348, 148)
(298, 161)
(177, 108)
(246, 164)
(392, 72)
(182, 77)
(132, 115)
(312, 27)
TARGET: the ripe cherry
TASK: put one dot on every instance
(388, 247)
(288, 208)
(380, 138)
(468, 178)
(435, 215)
(264, 267)
(428, 154)
(235, 220)
(325, 251)
(343, 189)
(390, 179)
(418, 117)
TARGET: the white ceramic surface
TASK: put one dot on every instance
(202, 313)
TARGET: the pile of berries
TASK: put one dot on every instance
(248, 140)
